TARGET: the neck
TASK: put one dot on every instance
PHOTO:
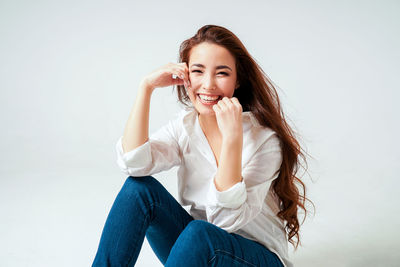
(208, 122)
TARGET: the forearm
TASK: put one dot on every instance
(136, 130)
(230, 166)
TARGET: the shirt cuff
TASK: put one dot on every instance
(136, 158)
(233, 197)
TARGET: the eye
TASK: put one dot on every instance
(222, 72)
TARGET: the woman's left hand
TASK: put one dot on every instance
(228, 112)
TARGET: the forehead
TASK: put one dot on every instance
(211, 55)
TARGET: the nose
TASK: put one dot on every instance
(208, 82)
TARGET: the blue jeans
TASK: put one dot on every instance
(143, 207)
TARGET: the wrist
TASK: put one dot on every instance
(232, 138)
(144, 86)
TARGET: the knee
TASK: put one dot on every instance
(198, 227)
(198, 230)
(195, 240)
(138, 184)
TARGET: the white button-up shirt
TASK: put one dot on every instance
(248, 208)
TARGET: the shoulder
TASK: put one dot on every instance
(269, 139)
(258, 139)
(256, 132)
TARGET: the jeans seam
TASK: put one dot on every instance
(147, 215)
(145, 218)
(231, 255)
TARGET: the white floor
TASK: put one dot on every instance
(56, 219)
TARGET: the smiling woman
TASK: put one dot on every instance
(237, 160)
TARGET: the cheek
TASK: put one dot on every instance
(191, 95)
(227, 84)
(193, 79)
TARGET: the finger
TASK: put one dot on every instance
(184, 65)
(176, 68)
(236, 102)
(185, 79)
(185, 71)
(182, 75)
(222, 105)
(182, 68)
(226, 102)
(216, 108)
(178, 78)
(179, 75)
(176, 73)
(177, 81)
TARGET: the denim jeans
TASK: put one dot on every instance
(143, 207)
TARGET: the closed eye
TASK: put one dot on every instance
(222, 72)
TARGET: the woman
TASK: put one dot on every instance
(236, 155)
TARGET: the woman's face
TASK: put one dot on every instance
(212, 72)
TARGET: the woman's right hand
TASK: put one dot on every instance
(162, 76)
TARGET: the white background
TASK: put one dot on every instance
(69, 74)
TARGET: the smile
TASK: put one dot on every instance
(209, 99)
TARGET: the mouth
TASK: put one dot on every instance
(209, 99)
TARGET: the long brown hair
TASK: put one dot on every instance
(257, 94)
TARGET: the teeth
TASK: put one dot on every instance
(208, 98)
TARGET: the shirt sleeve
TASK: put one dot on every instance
(159, 153)
(238, 205)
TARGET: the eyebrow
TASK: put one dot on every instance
(218, 67)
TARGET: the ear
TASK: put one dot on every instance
(237, 86)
